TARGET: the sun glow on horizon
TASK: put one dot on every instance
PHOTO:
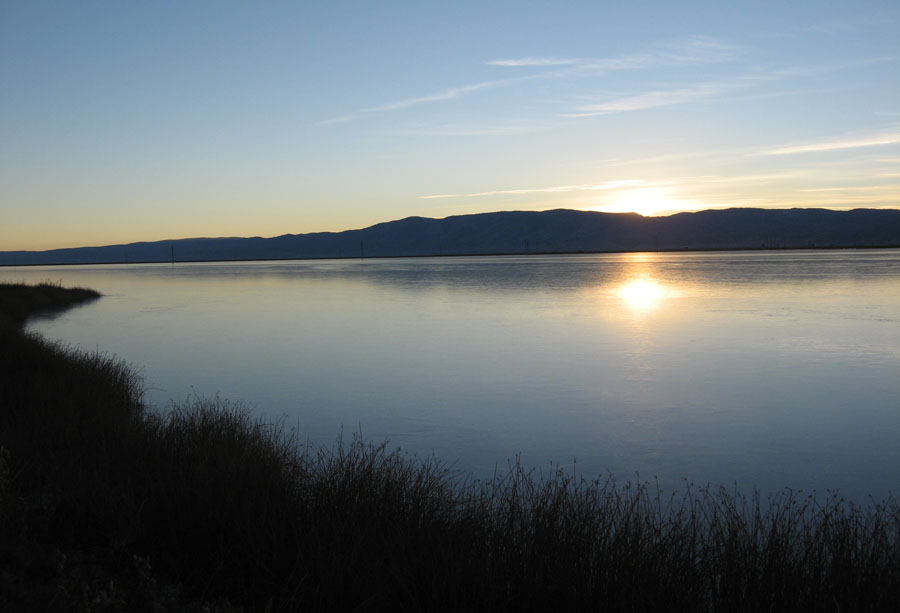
(646, 201)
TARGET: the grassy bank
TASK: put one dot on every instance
(19, 301)
(105, 505)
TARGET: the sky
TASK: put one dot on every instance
(131, 121)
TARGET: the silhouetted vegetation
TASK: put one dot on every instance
(106, 505)
(19, 301)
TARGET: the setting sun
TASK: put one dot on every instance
(647, 201)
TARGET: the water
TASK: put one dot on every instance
(761, 369)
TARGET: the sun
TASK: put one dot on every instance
(647, 201)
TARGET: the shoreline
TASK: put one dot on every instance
(463, 255)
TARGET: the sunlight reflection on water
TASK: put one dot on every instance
(642, 294)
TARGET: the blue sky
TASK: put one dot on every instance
(127, 121)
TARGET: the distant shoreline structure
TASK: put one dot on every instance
(516, 233)
(460, 255)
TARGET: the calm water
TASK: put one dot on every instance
(769, 370)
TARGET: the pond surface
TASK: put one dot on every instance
(761, 369)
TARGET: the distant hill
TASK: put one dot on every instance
(557, 231)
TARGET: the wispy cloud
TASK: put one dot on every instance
(845, 201)
(666, 157)
(698, 50)
(836, 145)
(546, 190)
(715, 89)
(693, 50)
(889, 188)
(339, 119)
(766, 177)
(536, 61)
(447, 94)
(654, 99)
(470, 130)
(689, 51)
(854, 24)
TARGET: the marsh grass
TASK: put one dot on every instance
(20, 300)
(106, 505)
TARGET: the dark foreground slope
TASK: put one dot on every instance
(559, 231)
(106, 506)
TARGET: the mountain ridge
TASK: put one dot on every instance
(517, 232)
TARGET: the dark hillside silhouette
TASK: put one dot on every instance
(557, 231)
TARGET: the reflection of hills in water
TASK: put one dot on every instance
(670, 273)
(571, 272)
(559, 231)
